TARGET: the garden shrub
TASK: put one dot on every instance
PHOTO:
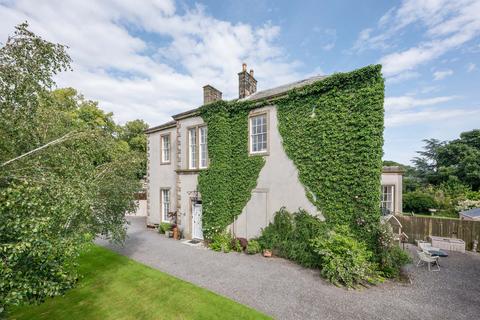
(289, 236)
(242, 242)
(390, 256)
(277, 234)
(467, 205)
(418, 202)
(164, 226)
(236, 245)
(221, 242)
(344, 260)
(307, 227)
(391, 260)
(253, 247)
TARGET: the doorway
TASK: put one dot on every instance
(197, 231)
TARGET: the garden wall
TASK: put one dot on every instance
(419, 228)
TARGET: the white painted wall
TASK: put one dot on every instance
(277, 186)
(395, 179)
(160, 175)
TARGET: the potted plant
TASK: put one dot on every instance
(164, 227)
(175, 231)
(267, 253)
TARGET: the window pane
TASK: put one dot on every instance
(387, 198)
(258, 133)
(165, 204)
(165, 148)
(203, 147)
(192, 148)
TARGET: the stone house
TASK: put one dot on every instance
(177, 152)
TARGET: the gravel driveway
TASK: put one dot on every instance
(285, 290)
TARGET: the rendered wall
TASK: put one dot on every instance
(277, 186)
(160, 175)
(395, 179)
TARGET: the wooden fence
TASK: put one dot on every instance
(419, 228)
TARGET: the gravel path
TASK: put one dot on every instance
(285, 290)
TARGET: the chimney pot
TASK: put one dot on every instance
(247, 84)
(210, 94)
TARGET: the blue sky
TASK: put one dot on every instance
(150, 59)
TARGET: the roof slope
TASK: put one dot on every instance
(277, 91)
(264, 94)
(474, 213)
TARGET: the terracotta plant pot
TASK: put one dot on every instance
(267, 253)
(175, 233)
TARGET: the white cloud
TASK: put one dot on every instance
(409, 102)
(431, 116)
(408, 110)
(471, 67)
(147, 60)
(442, 74)
(447, 25)
(407, 75)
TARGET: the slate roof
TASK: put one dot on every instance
(264, 94)
(169, 124)
(277, 91)
(473, 213)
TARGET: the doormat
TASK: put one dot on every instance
(194, 241)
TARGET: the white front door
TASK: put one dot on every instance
(197, 232)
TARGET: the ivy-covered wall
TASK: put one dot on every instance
(333, 132)
(232, 174)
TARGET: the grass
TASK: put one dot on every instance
(115, 287)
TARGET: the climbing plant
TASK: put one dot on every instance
(232, 174)
(332, 130)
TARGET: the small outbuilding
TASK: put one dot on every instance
(472, 214)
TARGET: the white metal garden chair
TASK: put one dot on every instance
(424, 257)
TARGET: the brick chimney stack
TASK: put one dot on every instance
(210, 94)
(247, 84)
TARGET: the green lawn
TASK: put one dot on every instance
(115, 287)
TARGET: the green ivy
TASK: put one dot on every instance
(333, 132)
(232, 174)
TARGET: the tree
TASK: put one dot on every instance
(427, 163)
(65, 175)
(459, 159)
(133, 132)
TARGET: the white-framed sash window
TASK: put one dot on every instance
(165, 147)
(192, 148)
(203, 152)
(388, 196)
(165, 201)
(258, 133)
